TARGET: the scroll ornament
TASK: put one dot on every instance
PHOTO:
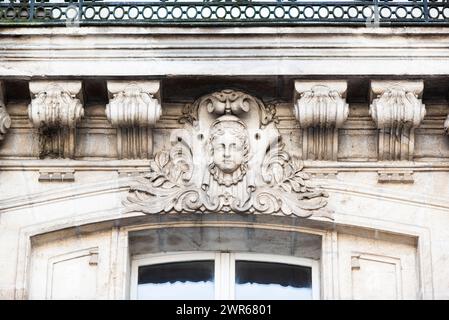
(55, 107)
(224, 161)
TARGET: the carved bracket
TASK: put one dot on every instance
(134, 108)
(5, 120)
(397, 109)
(55, 109)
(320, 108)
(228, 158)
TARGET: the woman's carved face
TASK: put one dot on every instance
(227, 151)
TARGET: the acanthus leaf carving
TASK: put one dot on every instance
(227, 162)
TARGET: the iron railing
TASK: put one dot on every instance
(224, 12)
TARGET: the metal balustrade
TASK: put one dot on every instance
(224, 12)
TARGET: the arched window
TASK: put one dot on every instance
(224, 275)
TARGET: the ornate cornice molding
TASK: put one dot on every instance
(320, 108)
(133, 108)
(5, 120)
(119, 51)
(397, 109)
(228, 158)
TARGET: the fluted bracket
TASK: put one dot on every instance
(397, 109)
(321, 108)
(55, 109)
(5, 120)
(133, 108)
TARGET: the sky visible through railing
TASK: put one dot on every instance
(369, 12)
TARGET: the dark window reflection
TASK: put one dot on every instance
(180, 280)
(264, 280)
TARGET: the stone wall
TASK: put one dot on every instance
(378, 149)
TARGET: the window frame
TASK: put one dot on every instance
(224, 268)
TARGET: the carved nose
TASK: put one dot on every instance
(227, 154)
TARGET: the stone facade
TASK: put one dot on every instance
(259, 135)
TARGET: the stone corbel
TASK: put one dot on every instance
(5, 120)
(320, 108)
(55, 109)
(134, 107)
(397, 109)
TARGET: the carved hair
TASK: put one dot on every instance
(232, 125)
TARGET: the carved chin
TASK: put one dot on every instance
(228, 168)
(226, 175)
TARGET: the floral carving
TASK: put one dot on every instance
(229, 170)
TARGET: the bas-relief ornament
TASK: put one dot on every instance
(320, 108)
(133, 108)
(5, 120)
(397, 109)
(55, 109)
(228, 158)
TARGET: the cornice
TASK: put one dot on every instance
(156, 51)
(142, 164)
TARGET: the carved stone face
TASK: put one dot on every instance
(228, 145)
(228, 151)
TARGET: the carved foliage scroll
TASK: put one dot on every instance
(228, 158)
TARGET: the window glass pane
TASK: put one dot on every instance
(264, 280)
(181, 280)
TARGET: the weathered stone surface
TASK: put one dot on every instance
(388, 237)
(397, 110)
(134, 108)
(55, 110)
(5, 120)
(229, 157)
(321, 109)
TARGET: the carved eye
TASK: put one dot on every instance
(179, 139)
(200, 136)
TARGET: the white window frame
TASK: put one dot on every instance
(224, 268)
